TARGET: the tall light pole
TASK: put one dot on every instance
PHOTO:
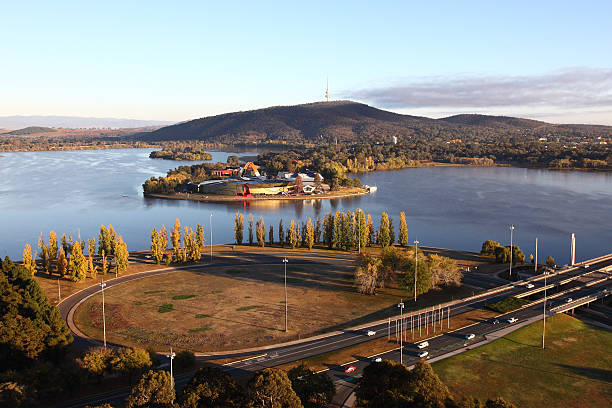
(535, 267)
(416, 257)
(511, 232)
(59, 290)
(359, 223)
(544, 311)
(401, 307)
(103, 285)
(211, 237)
(171, 357)
(285, 260)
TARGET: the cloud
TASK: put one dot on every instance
(570, 88)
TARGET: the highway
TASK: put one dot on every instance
(574, 281)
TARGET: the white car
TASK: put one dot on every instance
(377, 360)
(512, 320)
(423, 354)
(530, 286)
(568, 300)
(423, 344)
(585, 266)
(371, 332)
(470, 336)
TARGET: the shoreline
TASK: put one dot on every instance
(355, 192)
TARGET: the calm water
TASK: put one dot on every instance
(453, 207)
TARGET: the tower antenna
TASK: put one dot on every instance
(327, 90)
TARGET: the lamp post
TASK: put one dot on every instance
(210, 237)
(544, 311)
(416, 257)
(103, 285)
(171, 357)
(359, 223)
(285, 260)
(511, 232)
(59, 290)
(401, 307)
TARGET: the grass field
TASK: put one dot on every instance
(573, 371)
(240, 307)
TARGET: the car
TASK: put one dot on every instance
(568, 300)
(377, 359)
(371, 332)
(423, 354)
(470, 336)
(495, 321)
(423, 344)
(585, 266)
(530, 286)
(350, 369)
(512, 320)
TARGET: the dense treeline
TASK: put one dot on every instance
(187, 245)
(180, 153)
(179, 177)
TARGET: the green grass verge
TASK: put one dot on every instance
(202, 316)
(508, 304)
(244, 308)
(150, 292)
(572, 371)
(183, 297)
(200, 329)
(165, 308)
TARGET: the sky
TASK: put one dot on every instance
(179, 60)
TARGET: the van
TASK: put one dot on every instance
(423, 344)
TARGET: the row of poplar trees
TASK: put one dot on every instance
(187, 244)
(342, 230)
(66, 257)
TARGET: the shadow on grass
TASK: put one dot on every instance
(598, 374)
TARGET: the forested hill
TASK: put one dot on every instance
(353, 122)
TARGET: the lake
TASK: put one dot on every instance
(452, 207)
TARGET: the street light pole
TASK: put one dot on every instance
(416, 256)
(535, 267)
(103, 285)
(171, 356)
(401, 306)
(359, 223)
(211, 237)
(544, 311)
(511, 231)
(285, 260)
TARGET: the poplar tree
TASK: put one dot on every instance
(92, 268)
(317, 230)
(362, 228)
(44, 255)
(78, 263)
(199, 238)
(250, 229)
(156, 250)
(347, 232)
(281, 233)
(175, 237)
(261, 232)
(370, 226)
(391, 232)
(337, 235)
(52, 246)
(91, 247)
(238, 228)
(28, 261)
(292, 236)
(328, 230)
(271, 235)
(310, 234)
(61, 263)
(65, 245)
(121, 255)
(403, 233)
(384, 234)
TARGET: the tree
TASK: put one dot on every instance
(328, 230)
(347, 231)
(175, 239)
(78, 263)
(61, 263)
(489, 247)
(550, 261)
(403, 233)
(318, 180)
(423, 273)
(498, 403)
(309, 234)
(91, 247)
(384, 237)
(367, 274)
(271, 236)
(130, 361)
(261, 232)
(383, 385)
(184, 359)
(370, 226)
(391, 232)
(121, 255)
(314, 390)
(502, 254)
(317, 230)
(444, 271)
(106, 237)
(93, 272)
(67, 246)
(212, 388)
(337, 234)
(250, 229)
(96, 362)
(44, 255)
(426, 383)
(154, 390)
(299, 185)
(159, 243)
(281, 233)
(238, 228)
(28, 261)
(199, 239)
(52, 249)
(292, 235)
(271, 388)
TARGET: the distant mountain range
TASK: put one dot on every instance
(18, 122)
(347, 121)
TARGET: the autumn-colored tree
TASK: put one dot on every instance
(368, 274)
(250, 229)
(403, 233)
(199, 238)
(261, 232)
(337, 235)
(130, 361)
(292, 235)
(271, 388)
(93, 271)
(317, 230)
(212, 388)
(370, 227)
(238, 228)
(96, 362)
(310, 234)
(44, 255)
(271, 236)
(65, 245)
(175, 238)
(328, 230)
(121, 255)
(52, 249)
(384, 236)
(91, 246)
(444, 271)
(61, 263)
(154, 389)
(106, 238)
(314, 389)
(28, 262)
(391, 232)
(78, 263)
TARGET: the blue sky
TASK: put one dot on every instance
(549, 60)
